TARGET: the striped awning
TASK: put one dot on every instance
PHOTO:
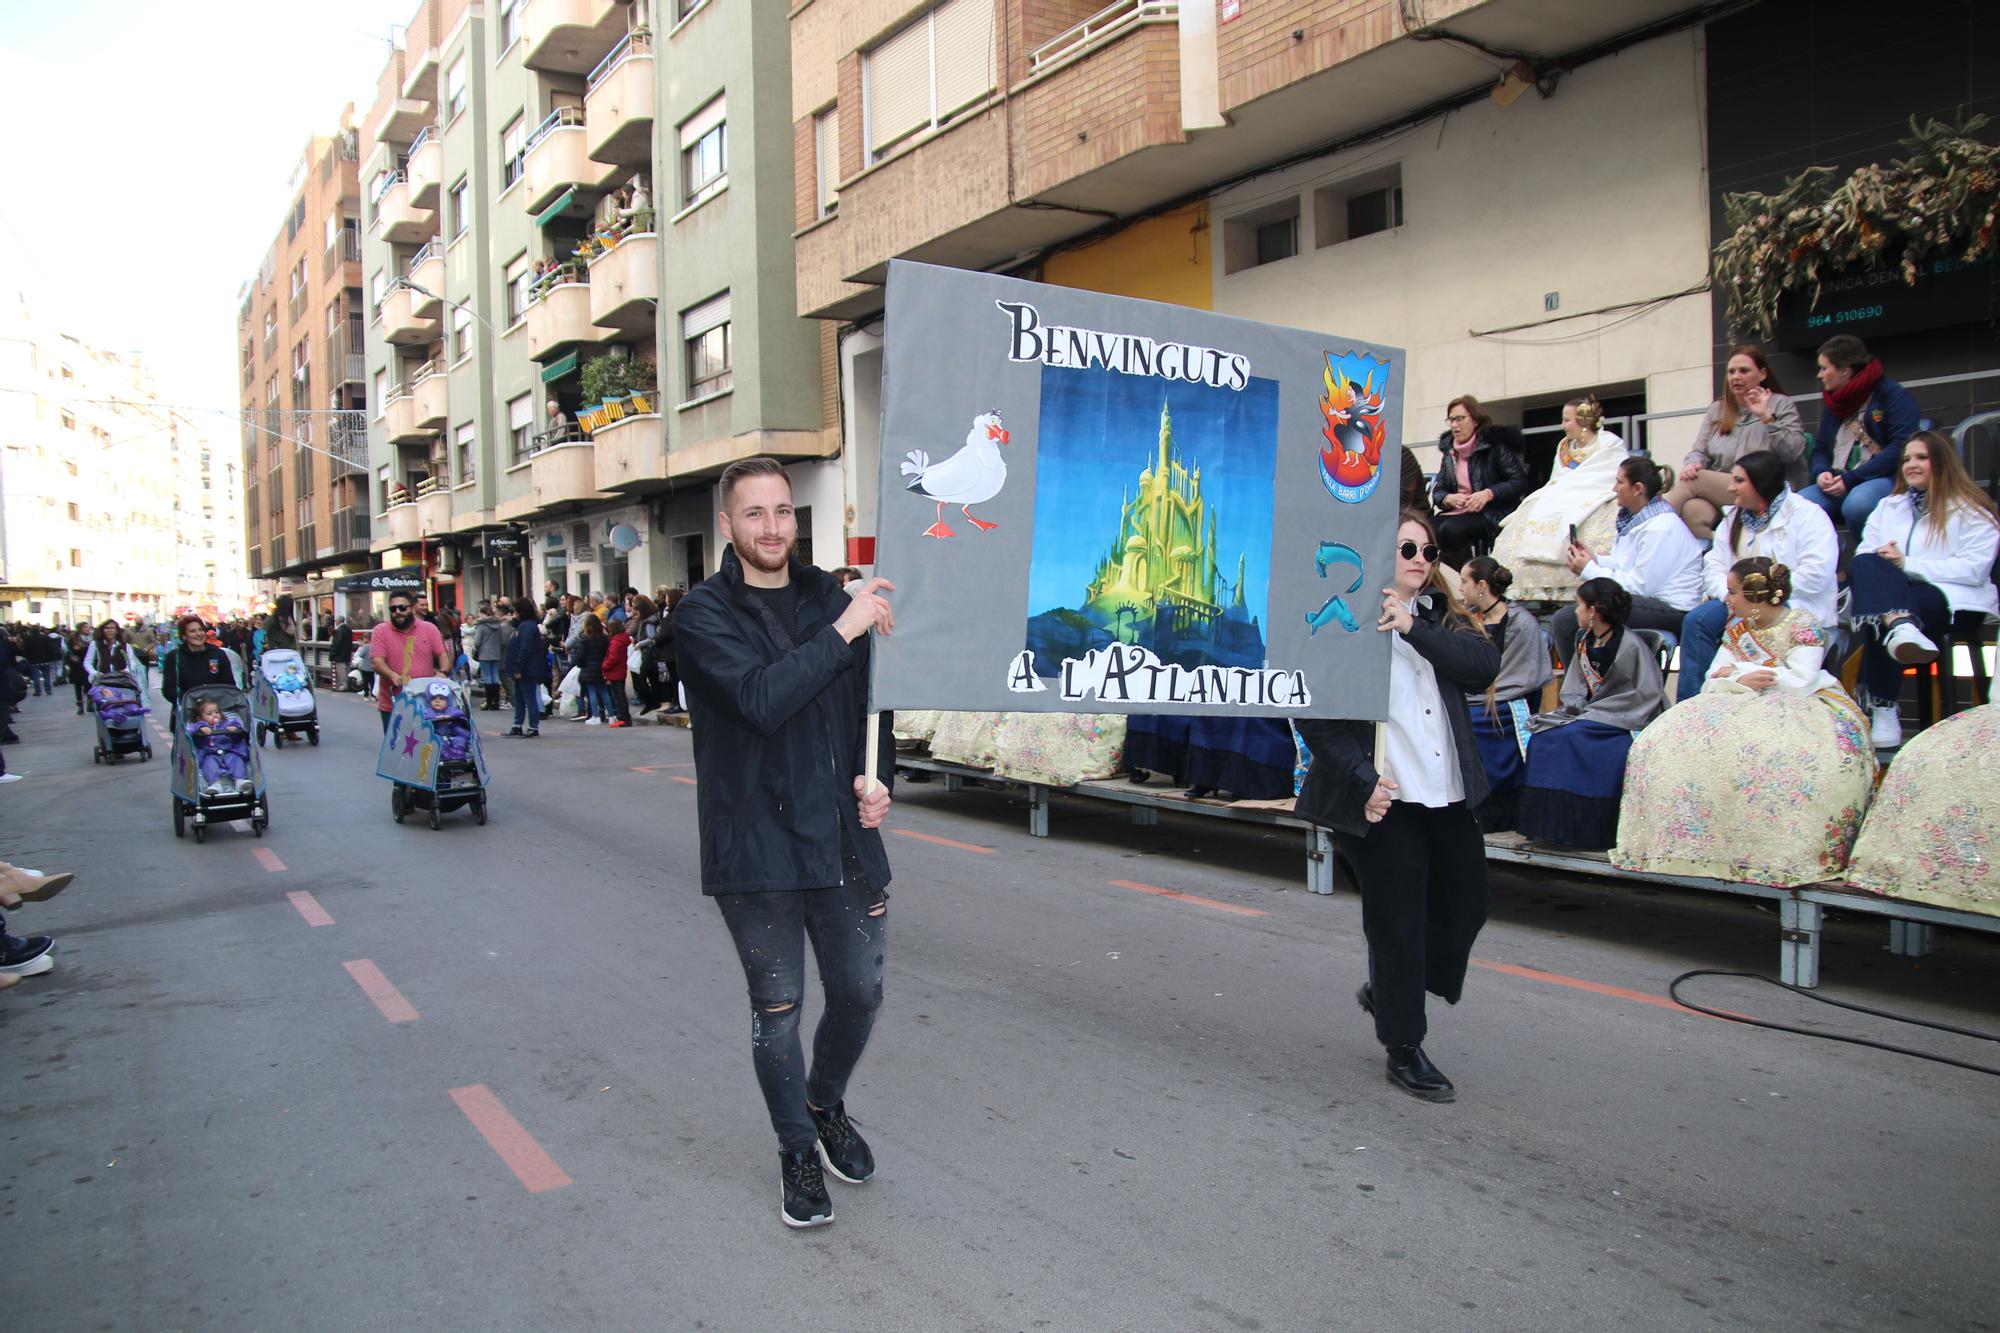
(559, 367)
(553, 211)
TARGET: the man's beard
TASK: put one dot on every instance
(750, 554)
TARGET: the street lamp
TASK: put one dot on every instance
(455, 305)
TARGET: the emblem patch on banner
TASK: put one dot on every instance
(1350, 462)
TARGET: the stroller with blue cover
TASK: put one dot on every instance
(121, 718)
(281, 698)
(216, 776)
(431, 752)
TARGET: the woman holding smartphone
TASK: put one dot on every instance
(1399, 796)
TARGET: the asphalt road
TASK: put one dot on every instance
(504, 1083)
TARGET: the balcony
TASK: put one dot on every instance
(557, 159)
(421, 80)
(560, 320)
(425, 171)
(399, 525)
(349, 530)
(427, 391)
(433, 506)
(618, 108)
(400, 321)
(403, 120)
(344, 366)
(625, 283)
(344, 250)
(563, 471)
(397, 216)
(631, 453)
(427, 272)
(399, 419)
(569, 36)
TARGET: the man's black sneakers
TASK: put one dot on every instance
(805, 1201)
(844, 1152)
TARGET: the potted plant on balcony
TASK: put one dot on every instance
(645, 385)
(607, 378)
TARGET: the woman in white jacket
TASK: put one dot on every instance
(1925, 554)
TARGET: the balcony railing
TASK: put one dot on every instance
(350, 529)
(388, 182)
(638, 42)
(1099, 28)
(296, 306)
(432, 249)
(343, 249)
(429, 486)
(424, 136)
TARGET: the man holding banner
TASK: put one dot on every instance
(775, 658)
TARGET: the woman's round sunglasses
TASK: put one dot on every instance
(1408, 550)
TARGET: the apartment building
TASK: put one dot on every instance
(577, 255)
(299, 330)
(1527, 227)
(112, 503)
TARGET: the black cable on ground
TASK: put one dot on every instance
(1673, 992)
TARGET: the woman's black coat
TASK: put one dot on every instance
(1342, 776)
(1495, 466)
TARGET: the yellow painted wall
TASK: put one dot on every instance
(1160, 259)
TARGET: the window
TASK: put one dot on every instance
(520, 277)
(704, 161)
(461, 212)
(384, 487)
(684, 8)
(513, 150)
(76, 513)
(454, 86)
(381, 396)
(927, 73)
(270, 322)
(1262, 236)
(75, 558)
(1359, 207)
(826, 159)
(378, 286)
(520, 421)
(465, 445)
(705, 330)
(461, 333)
(68, 419)
(510, 23)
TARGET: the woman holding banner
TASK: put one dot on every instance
(1399, 797)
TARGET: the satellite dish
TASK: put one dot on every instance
(624, 537)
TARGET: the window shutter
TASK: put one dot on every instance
(899, 85)
(709, 314)
(701, 122)
(829, 159)
(964, 53)
(520, 412)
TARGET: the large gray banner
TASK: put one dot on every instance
(1092, 504)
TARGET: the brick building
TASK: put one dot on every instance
(299, 334)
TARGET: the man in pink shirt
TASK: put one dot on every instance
(403, 649)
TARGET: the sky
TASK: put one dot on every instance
(148, 162)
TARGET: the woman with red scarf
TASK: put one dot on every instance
(1480, 479)
(1867, 420)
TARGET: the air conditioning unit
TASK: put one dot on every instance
(447, 560)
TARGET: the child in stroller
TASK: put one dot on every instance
(116, 705)
(119, 705)
(222, 750)
(449, 723)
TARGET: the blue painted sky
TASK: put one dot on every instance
(1100, 429)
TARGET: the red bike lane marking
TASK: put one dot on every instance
(533, 1167)
(309, 908)
(379, 989)
(1194, 898)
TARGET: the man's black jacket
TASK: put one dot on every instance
(779, 736)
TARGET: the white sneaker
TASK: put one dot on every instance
(10, 777)
(1886, 728)
(593, 721)
(1909, 645)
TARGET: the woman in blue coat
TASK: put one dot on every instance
(528, 668)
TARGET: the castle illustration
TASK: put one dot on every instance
(1158, 582)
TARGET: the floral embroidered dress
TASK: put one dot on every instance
(1758, 786)
(1535, 538)
(1933, 834)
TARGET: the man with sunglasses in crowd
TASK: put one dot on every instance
(404, 648)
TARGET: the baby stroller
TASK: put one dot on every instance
(281, 697)
(121, 711)
(431, 752)
(216, 777)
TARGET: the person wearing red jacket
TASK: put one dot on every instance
(615, 671)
